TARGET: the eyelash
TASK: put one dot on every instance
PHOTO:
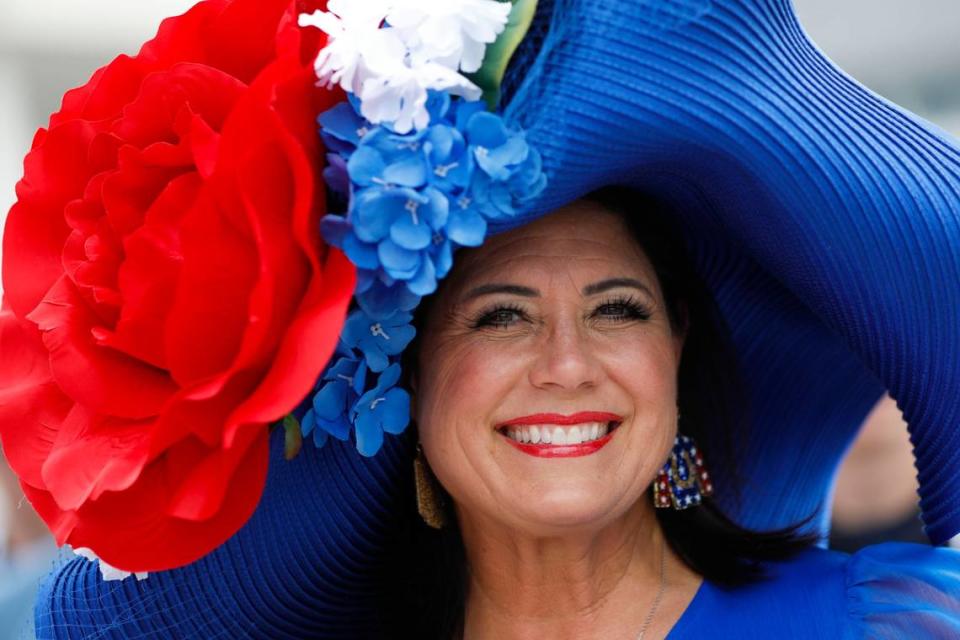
(632, 310)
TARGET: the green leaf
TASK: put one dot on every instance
(293, 440)
(498, 54)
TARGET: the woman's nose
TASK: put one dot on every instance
(565, 359)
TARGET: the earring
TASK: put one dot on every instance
(429, 500)
(683, 481)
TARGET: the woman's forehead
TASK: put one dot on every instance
(582, 236)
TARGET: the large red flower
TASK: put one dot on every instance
(167, 293)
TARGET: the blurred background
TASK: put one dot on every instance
(907, 52)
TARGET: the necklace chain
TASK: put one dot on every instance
(660, 590)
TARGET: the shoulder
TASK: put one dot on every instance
(903, 590)
(891, 590)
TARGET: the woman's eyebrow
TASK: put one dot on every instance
(528, 292)
(615, 283)
(513, 289)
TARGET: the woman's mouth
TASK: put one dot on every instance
(562, 437)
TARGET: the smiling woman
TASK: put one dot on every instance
(546, 384)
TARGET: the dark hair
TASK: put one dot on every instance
(431, 564)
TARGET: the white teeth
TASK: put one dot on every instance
(554, 434)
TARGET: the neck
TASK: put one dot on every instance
(588, 584)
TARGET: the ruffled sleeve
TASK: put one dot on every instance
(901, 590)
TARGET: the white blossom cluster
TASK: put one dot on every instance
(389, 53)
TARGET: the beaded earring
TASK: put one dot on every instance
(429, 500)
(683, 481)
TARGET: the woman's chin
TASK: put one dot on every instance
(565, 512)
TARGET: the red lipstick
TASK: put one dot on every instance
(544, 450)
(556, 418)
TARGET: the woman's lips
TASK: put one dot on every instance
(560, 419)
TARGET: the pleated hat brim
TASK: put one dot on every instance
(825, 219)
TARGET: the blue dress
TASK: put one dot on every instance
(895, 591)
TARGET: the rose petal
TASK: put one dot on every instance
(108, 90)
(102, 379)
(55, 173)
(206, 482)
(208, 93)
(94, 453)
(209, 313)
(245, 33)
(130, 190)
(128, 530)
(31, 404)
(148, 276)
(61, 523)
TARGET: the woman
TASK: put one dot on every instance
(143, 361)
(567, 317)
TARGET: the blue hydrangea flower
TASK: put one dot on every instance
(342, 127)
(388, 159)
(378, 339)
(385, 408)
(338, 231)
(447, 155)
(338, 390)
(412, 200)
(511, 173)
(380, 296)
(308, 425)
(496, 150)
(402, 223)
(465, 225)
(441, 254)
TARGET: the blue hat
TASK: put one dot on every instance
(824, 219)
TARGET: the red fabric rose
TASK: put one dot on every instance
(167, 292)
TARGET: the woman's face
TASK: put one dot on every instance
(563, 316)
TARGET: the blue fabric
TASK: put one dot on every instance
(826, 219)
(890, 591)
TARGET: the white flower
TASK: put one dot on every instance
(400, 97)
(106, 571)
(350, 25)
(453, 33)
(389, 53)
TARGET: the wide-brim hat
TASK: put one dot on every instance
(824, 219)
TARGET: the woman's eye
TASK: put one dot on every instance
(502, 318)
(622, 310)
